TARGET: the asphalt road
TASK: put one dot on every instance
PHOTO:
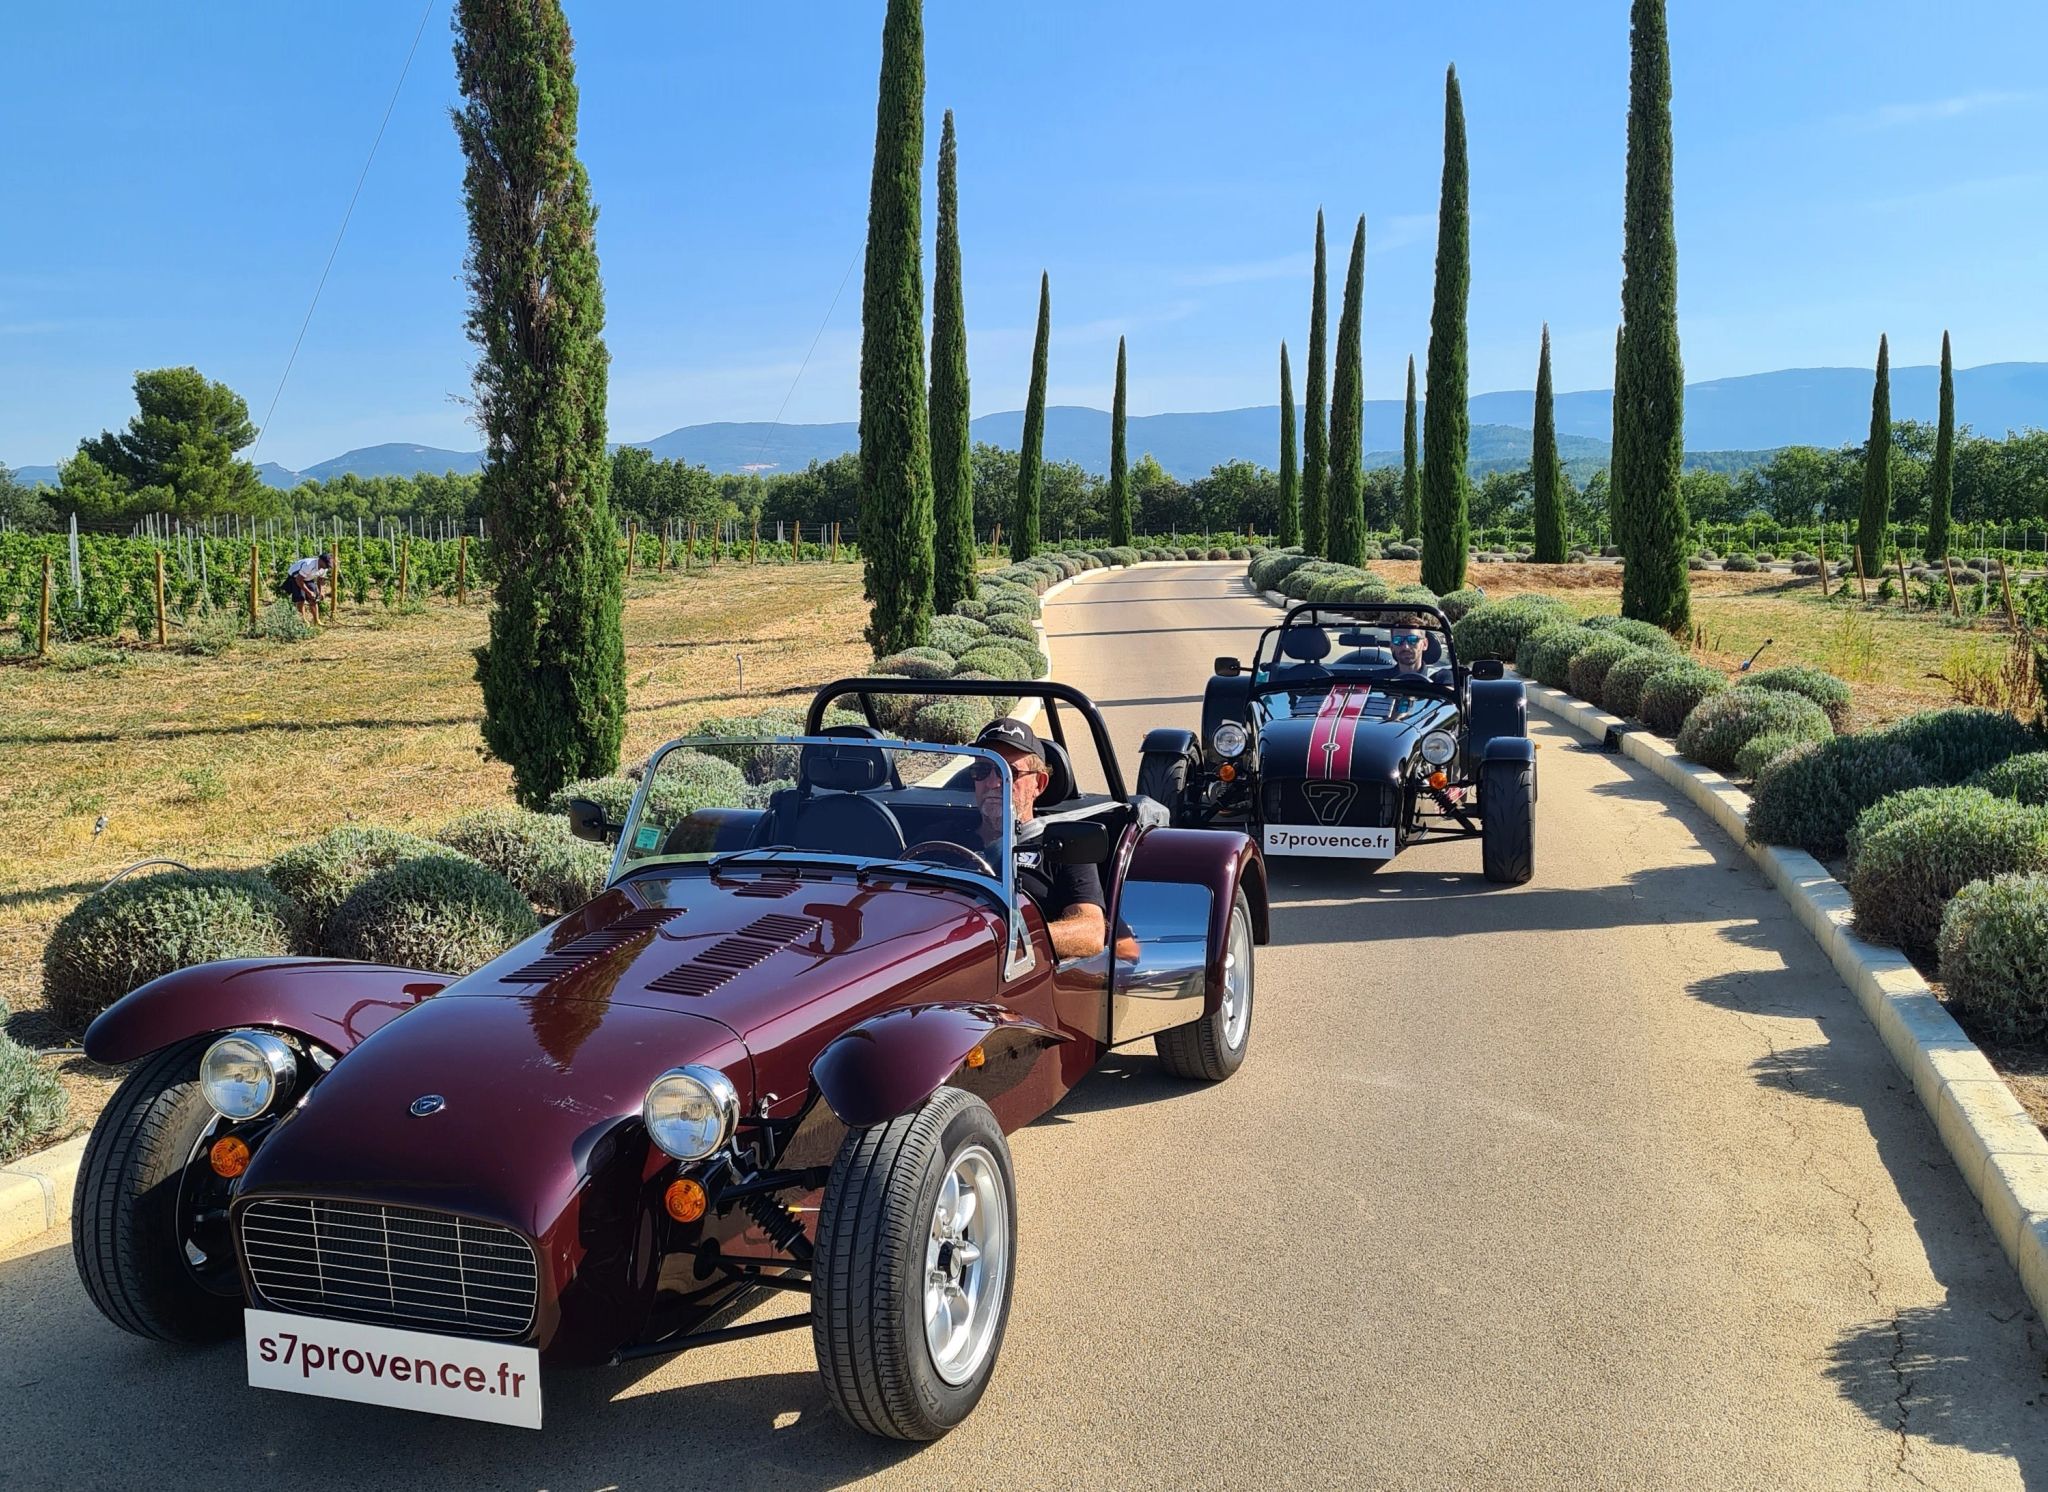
(1599, 1182)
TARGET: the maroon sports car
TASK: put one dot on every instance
(780, 1052)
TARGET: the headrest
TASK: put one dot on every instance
(1059, 769)
(845, 769)
(1308, 644)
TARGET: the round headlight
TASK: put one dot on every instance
(690, 1111)
(246, 1074)
(1230, 739)
(1438, 747)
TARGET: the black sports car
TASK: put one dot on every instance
(1354, 733)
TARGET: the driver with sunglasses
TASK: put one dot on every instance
(1070, 896)
(1406, 642)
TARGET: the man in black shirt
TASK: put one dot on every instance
(1070, 896)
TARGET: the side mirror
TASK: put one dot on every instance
(1229, 668)
(1076, 842)
(587, 821)
(1488, 668)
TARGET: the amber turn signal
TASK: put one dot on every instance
(1437, 780)
(684, 1200)
(1227, 772)
(229, 1157)
(977, 1058)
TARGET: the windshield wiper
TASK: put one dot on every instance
(768, 853)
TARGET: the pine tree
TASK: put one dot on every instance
(1544, 470)
(1315, 436)
(1290, 479)
(1649, 392)
(1031, 460)
(895, 442)
(1941, 476)
(1446, 423)
(554, 670)
(1119, 463)
(952, 445)
(1877, 468)
(1344, 486)
(1411, 472)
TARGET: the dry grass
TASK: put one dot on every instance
(1894, 658)
(225, 761)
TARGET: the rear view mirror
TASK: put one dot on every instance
(1488, 668)
(1229, 668)
(1078, 842)
(587, 821)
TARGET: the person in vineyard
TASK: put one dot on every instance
(305, 583)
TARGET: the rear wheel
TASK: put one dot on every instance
(910, 1286)
(1212, 1048)
(1507, 807)
(1163, 777)
(146, 1245)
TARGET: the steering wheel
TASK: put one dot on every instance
(946, 849)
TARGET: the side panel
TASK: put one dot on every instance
(331, 1001)
(1172, 925)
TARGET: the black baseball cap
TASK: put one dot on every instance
(1012, 733)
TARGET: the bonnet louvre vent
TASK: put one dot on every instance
(577, 952)
(735, 954)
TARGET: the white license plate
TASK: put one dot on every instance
(417, 1370)
(1337, 843)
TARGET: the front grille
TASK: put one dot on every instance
(1292, 801)
(394, 1265)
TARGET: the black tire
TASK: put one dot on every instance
(1203, 1050)
(1163, 777)
(1507, 809)
(126, 1235)
(869, 1267)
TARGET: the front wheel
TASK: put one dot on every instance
(1507, 821)
(910, 1283)
(1163, 777)
(1212, 1048)
(146, 1242)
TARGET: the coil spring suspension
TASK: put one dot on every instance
(779, 1223)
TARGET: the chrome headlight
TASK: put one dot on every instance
(1230, 739)
(1438, 747)
(247, 1073)
(690, 1111)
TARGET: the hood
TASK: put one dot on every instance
(1352, 733)
(520, 1126)
(763, 951)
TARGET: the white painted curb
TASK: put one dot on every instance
(35, 1191)
(2000, 1151)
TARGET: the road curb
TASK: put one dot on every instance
(35, 1191)
(2000, 1151)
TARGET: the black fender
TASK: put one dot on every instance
(1514, 749)
(892, 1063)
(1494, 708)
(1227, 699)
(1170, 740)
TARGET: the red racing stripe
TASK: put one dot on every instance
(1320, 733)
(1329, 741)
(1345, 731)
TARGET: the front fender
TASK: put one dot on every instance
(891, 1063)
(1221, 861)
(330, 1001)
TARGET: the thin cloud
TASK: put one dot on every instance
(1929, 111)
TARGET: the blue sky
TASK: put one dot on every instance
(174, 177)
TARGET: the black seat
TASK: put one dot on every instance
(1059, 773)
(833, 814)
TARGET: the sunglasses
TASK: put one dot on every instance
(1407, 639)
(983, 771)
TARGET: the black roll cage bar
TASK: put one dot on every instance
(1048, 692)
(1309, 609)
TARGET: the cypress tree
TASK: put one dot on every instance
(1446, 422)
(1615, 526)
(1031, 460)
(1315, 438)
(1544, 469)
(1119, 464)
(1411, 473)
(1941, 477)
(554, 670)
(1650, 387)
(952, 448)
(1290, 479)
(1344, 486)
(1877, 468)
(895, 442)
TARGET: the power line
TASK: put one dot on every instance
(761, 449)
(264, 429)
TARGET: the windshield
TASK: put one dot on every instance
(914, 807)
(1315, 647)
